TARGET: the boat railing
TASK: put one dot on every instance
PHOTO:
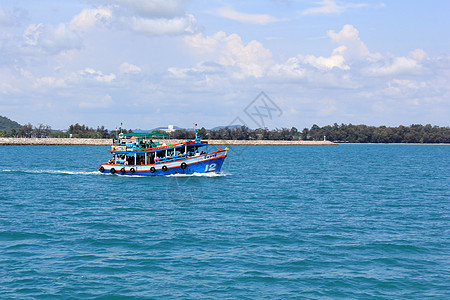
(147, 145)
(170, 158)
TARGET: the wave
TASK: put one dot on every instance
(59, 172)
(210, 174)
(66, 172)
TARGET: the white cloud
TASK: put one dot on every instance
(31, 34)
(49, 82)
(155, 17)
(351, 45)
(9, 82)
(348, 34)
(179, 72)
(98, 76)
(4, 17)
(326, 7)
(410, 84)
(154, 8)
(164, 26)
(260, 19)
(325, 63)
(418, 54)
(207, 68)
(251, 59)
(129, 68)
(347, 67)
(205, 44)
(398, 65)
(230, 49)
(292, 70)
(52, 38)
(24, 80)
(104, 102)
(401, 88)
(68, 81)
(88, 18)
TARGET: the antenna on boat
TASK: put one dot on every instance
(197, 139)
(120, 127)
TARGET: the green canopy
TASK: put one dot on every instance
(144, 134)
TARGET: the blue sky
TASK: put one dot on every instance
(158, 62)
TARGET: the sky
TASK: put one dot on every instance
(272, 63)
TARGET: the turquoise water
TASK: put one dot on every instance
(348, 221)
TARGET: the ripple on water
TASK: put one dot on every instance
(353, 221)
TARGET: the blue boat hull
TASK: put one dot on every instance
(202, 164)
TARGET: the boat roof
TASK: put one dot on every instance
(144, 134)
(159, 148)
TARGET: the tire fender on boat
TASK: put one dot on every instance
(101, 169)
(164, 168)
(132, 170)
(112, 171)
(152, 170)
(183, 165)
(122, 171)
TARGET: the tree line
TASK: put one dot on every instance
(340, 133)
(415, 133)
(28, 131)
(349, 133)
(74, 131)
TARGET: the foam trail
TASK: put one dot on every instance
(64, 172)
(61, 172)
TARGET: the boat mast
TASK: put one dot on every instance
(119, 136)
(197, 139)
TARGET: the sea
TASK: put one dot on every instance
(279, 222)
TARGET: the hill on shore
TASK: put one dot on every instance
(7, 124)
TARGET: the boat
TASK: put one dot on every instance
(152, 154)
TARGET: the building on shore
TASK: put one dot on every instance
(169, 129)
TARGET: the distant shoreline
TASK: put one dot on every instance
(107, 142)
(344, 143)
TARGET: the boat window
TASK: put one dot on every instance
(130, 160)
(140, 160)
(190, 151)
(151, 158)
(180, 150)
